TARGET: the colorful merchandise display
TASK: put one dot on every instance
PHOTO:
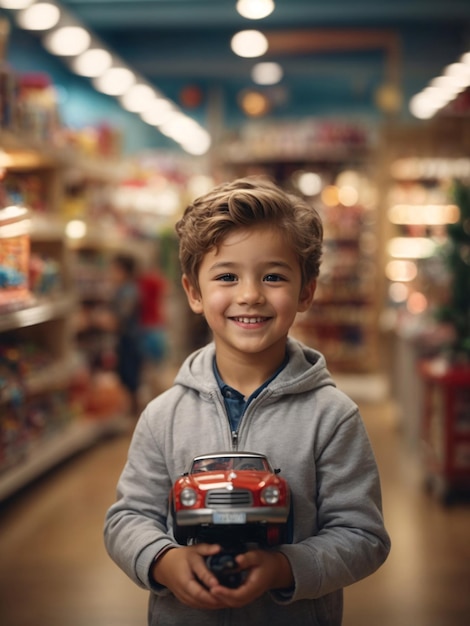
(14, 257)
(29, 409)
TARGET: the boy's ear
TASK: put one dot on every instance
(193, 295)
(306, 296)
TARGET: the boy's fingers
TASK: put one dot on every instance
(198, 597)
(249, 559)
(206, 549)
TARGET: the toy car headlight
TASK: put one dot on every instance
(270, 495)
(188, 497)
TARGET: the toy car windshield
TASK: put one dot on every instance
(225, 463)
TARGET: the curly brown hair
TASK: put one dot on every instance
(240, 204)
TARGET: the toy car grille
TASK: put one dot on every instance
(222, 497)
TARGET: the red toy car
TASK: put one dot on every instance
(231, 496)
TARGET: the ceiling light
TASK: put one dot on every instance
(92, 63)
(266, 73)
(108, 74)
(159, 112)
(421, 107)
(465, 58)
(192, 138)
(255, 9)
(115, 81)
(15, 4)
(197, 144)
(179, 127)
(442, 89)
(40, 16)
(458, 69)
(249, 43)
(67, 41)
(138, 98)
(448, 84)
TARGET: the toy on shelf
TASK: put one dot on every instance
(14, 256)
(235, 499)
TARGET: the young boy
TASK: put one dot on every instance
(250, 256)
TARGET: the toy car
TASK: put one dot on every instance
(231, 497)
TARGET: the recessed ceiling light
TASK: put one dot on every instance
(249, 43)
(115, 81)
(40, 16)
(255, 9)
(67, 41)
(138, 98)
(197, 144)
(158, 112)
(15, 4)
(266, 73)
(92, 63)
(465, 58)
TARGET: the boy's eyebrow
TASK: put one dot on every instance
(233, 264)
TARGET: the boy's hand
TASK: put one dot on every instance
(266, 570)
(184, 572)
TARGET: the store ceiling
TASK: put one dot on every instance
(336, 54)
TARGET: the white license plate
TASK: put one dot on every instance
(228, 518)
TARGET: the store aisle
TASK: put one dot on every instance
(54, 570)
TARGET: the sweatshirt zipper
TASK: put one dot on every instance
(235, 437)
(234, 440)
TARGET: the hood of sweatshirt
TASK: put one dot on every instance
(305, 371)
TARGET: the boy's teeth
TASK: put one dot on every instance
(250, 320)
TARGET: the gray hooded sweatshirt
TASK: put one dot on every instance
(307, 428)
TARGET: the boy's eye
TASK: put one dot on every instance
(273, 278)
(227, 278)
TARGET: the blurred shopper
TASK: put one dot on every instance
(153, 289)
(126, 311)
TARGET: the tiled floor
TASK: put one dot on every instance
(54, 570)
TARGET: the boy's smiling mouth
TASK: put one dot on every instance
(250, 320)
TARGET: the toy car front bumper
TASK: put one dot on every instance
(260, 515)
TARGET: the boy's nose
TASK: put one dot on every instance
(250, 292)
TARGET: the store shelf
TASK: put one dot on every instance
(54, 376)
(42, 312)
(47, 228)
(80, 435)
(39, 427)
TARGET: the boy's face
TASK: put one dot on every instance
(250, 292)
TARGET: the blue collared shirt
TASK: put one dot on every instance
(235, 402)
